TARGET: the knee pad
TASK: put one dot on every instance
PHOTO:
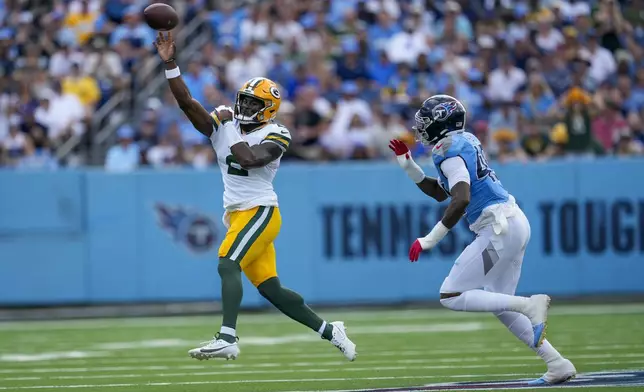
(227, 267)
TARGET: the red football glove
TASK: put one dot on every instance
(399, 147)
(414, 251)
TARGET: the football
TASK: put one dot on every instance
(161, 17)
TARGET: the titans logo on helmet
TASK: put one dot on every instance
(441, 112)
(197, 231)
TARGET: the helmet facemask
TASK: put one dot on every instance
(249, 109)
(421, 130)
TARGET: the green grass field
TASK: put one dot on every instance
(405, 348)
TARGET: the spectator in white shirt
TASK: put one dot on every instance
(602, 62)
(62, 114)
(548, 38)
(505, 81)
(164, 154)
(256, 26)
(16, 145)
(348, 107)
(245, 66)
(407, 45)
(104, 64)
(287, 29)
(61, 62)
(124, 156)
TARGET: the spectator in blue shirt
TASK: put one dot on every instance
(124, 156)
(635, 101)
(382, 70)
(133, 29)
(226, 23)
(454, 24)
(380, 33)
(302, 77)
(470, 92)
(197, 78)
(403, 84)
(350, 66)
(538, 100)
(282, 71)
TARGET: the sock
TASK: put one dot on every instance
(227, 331)
(485, 301)
(231, 296)
(292, 304)
(326, 330)
(521, 327)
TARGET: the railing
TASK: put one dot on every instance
(102, 128)
(153, 79)
(154, 85)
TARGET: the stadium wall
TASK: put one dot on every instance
(90, 237)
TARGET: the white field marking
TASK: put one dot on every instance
(311, 368)
(388, 353)
(472, 389)
(296, 380)
(302, 353)
(529, 361)
(275, 318)
(51, 356)
(249, 341)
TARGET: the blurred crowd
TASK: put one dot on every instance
(539, 78)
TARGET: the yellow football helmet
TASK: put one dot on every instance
(257, 101)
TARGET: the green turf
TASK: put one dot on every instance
(396, 349)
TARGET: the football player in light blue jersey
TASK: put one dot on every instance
(484, 277)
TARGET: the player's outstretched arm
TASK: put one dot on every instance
(197, 114)
(428, 185)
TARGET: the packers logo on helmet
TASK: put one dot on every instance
(257, 101)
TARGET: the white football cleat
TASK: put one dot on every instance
(537, 312)
(559, 371)
(216, 348)
(342, 341)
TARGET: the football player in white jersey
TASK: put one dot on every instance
(249, 146)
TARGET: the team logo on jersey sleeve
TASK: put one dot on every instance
(441, 112)
(196, 231)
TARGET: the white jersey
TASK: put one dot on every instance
(248, 188)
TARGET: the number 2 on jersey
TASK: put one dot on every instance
(482, 167)
(234, 168)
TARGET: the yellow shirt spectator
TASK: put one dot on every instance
(84, 87)
(82, 24)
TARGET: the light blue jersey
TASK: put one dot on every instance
(485, 188)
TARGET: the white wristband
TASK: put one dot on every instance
(438, 233)
(172, 73)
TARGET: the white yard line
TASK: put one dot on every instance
(530, 361)
(311, 368)
(349, 315)
(305, 380)
(248, 341)
(313, 353)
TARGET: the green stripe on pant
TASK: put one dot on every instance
(256, 233)
(251, 231)
(243, 232)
